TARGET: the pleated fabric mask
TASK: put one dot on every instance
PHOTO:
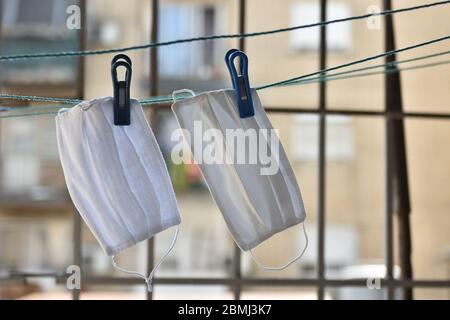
(257, 199)
(116, 176)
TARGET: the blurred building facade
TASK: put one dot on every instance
(36, 213)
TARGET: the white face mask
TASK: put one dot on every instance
(257, 198)
(116, 176)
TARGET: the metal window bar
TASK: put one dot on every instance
(77, 221)
(397, 173)
(236, 281)
(236, 264)
(389, 170)
(322, 154)
(153, 92)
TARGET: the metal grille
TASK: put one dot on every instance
(394, 162)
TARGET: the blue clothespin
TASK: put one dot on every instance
(121, 90)
(240, 82)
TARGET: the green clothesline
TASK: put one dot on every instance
(388, 69)
(318, 76)
(214, 37)
(349, 64)
(332, 77)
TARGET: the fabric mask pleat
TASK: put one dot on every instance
(84, 175)
(247, 172)
(124, 171)
(213, 121)
(278, 182)
(74, 163)
(108, 199)
(156, 170)
(290, 181)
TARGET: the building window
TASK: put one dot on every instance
(36, 26)
(29, 162)
(25, 18)
(188, 60)
(339, 35)
(340, 142)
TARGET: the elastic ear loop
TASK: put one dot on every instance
(149, 279)
(291, 261)
(177, 92)
(62, 110)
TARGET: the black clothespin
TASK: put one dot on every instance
(240, 82)
(121, 90)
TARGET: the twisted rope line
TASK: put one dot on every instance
(214, 37)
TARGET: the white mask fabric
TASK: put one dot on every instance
(256, 198)
(116, 176)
